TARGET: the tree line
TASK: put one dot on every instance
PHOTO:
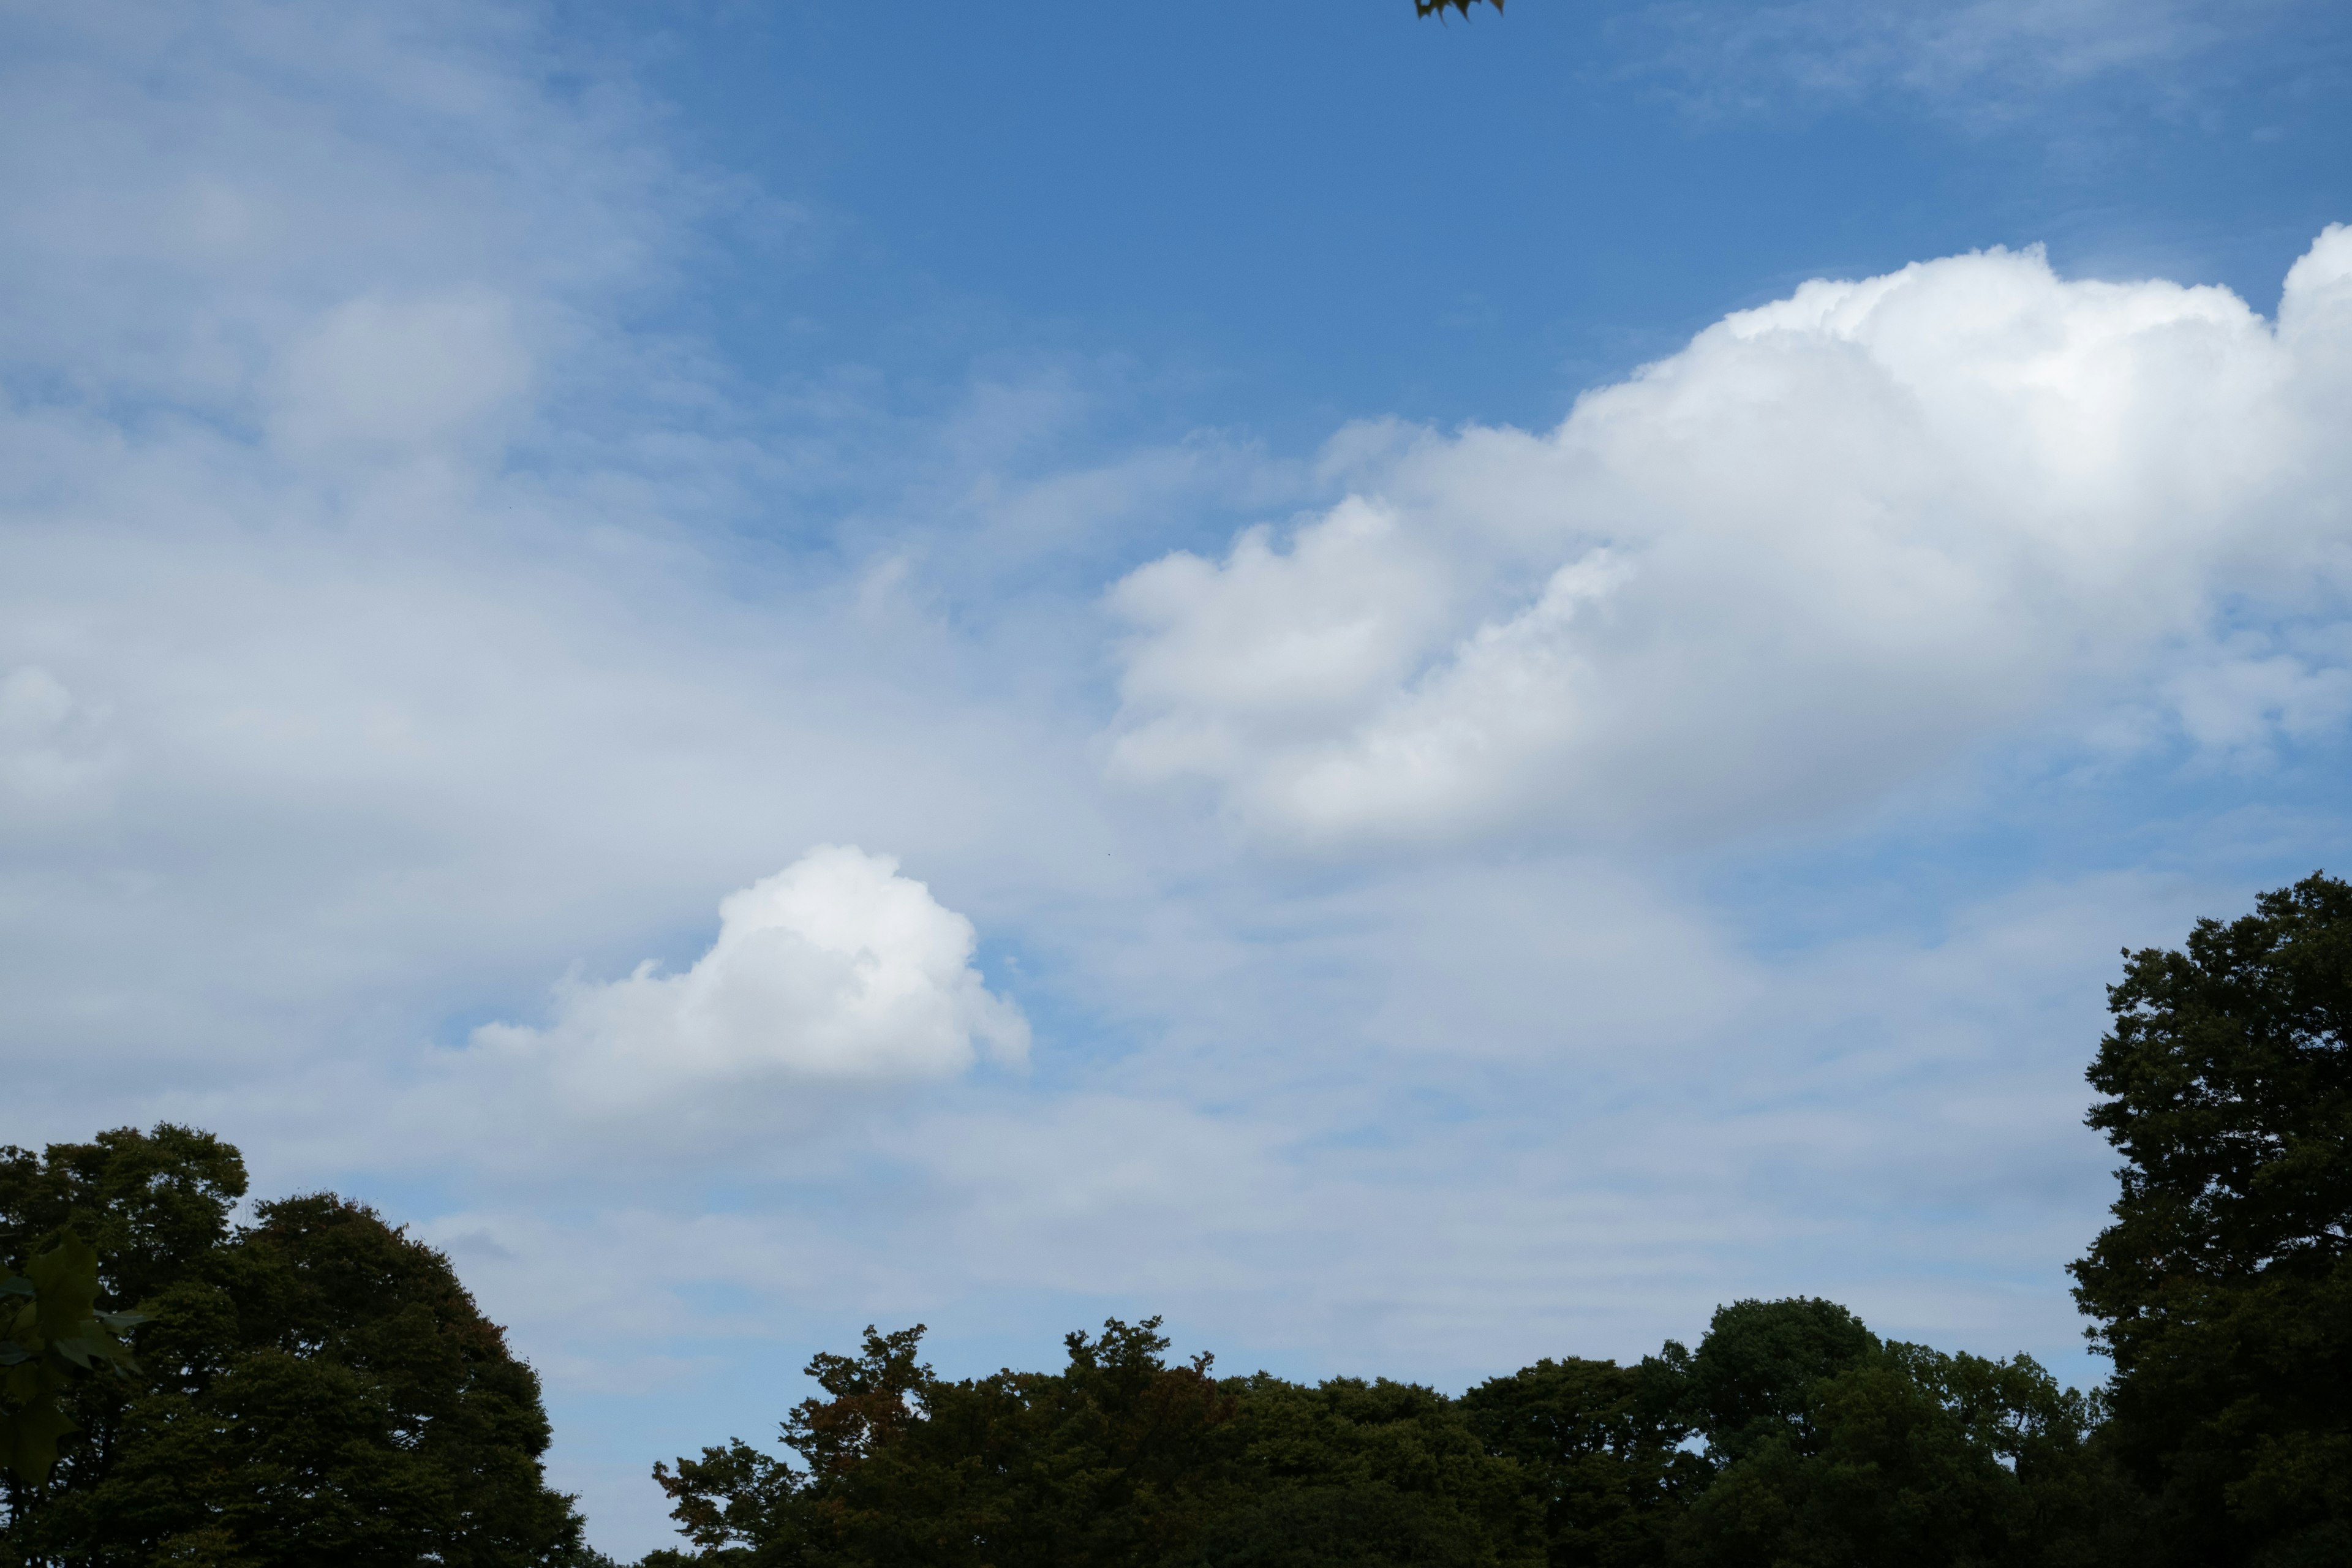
(314, 1386)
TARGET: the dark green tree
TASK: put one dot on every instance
(1905, 1455)
(1107, 1462)
(1602, 1446)
(1752, 1380)
(1118, 1459)
(1425, 7)
(320, 1388)
(1375, 1472)
(2223, 1287)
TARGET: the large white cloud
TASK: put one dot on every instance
(1835, 540)
(836, 967)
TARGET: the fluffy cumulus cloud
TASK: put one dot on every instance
(1833, 542)
(836, 967)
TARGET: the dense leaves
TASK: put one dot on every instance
(1905, 1455)
(1120, 1457)
(2223, 1289)
(1601, 1448)
(318, 1386)
(1821, 1445)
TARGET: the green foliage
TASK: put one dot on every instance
(1752, 1380)
(320, 1387)
(1824, 1446)
(1311, 1457)
(1902, 1454)
(1424, 7)
(2223, 1287)
(51, 1334)
(1117, 1458)
(1601, 1445)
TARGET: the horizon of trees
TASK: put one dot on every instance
(318, 1386)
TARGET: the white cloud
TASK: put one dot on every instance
(834, 968)
(1836, 540)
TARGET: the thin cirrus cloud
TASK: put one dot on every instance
(1836, 540)
(1983, 59)
(836, 968)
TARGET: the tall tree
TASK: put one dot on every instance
(2223, 1288)
(320, 1388)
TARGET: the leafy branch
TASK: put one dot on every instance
(52, 1335)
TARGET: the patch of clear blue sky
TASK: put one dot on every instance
(1278, 216)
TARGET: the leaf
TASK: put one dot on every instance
(29, 1440)
(66, 1277)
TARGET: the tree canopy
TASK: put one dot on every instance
(318, 1386)
(1792, 1435)
(2223, 1288)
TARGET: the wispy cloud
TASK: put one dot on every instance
(1984, 62)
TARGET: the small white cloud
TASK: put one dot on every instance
(834, 968)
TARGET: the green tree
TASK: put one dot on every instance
(1752, 1380)
(320, 1387)
(1603, 1445)
(1107, 1462)
(1828, 1448)
(2223, 1287)
(1424, 7)
(1375, 1472)
(1905, 1455)
(1118, 1459)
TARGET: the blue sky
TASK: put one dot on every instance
(1421, 695)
